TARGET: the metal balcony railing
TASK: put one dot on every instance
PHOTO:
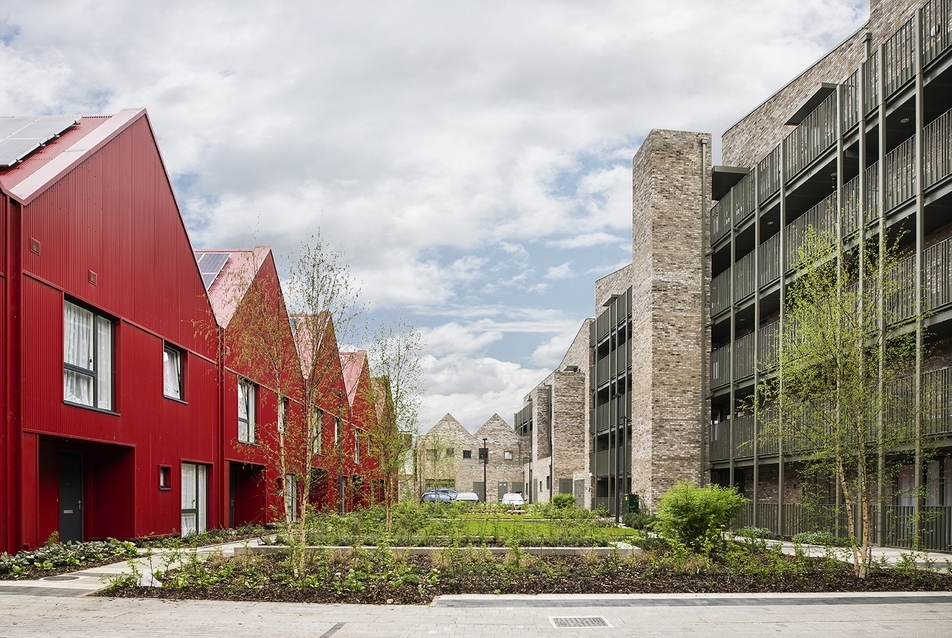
(870, 84)
(769, 260)
(605, 462)
(744, 356)
(744, 284)
(850, 210)
(937, 149)
(900, 173)
(721, 292)
(937, 400)
(602, 368)
(768, 445)
(769, 342)
(720, 441)
(603, 325)
(850, 101)
(743, 437)
(820, 217)
(620, 360)
(900, 303)
(814, 135)
(720, 219)
(899, 58)
(936, 29)
(937, 275)
(871, 195)
(768, 175)
(743, 198)
(720, 367)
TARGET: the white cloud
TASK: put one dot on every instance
(452, 150)
(562, 271)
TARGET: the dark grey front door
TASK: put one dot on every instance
(71, 496)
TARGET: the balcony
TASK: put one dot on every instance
(871, 82)
(850, 212)
(900, 175)
(937, 149)
(768, 445)
(850, 101)
(604, 463)
(721, 293)
(768, 174)
(871, 210)
(769, 259)
(620, 360)
(900, 304)
(720, 220)
(720, 367)
(937, 29)
(744, 357)
(937, 276)
(769, 342)
(742, 198)
(602, 371)
(820, 217)
(720, 441)
(743, 437)
(814, 135)
(899, 58)
(744, 284)
(937, 399)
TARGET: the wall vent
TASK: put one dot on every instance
(35, 246)
(93, 278)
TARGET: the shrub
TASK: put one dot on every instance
(696, 516)
(641, 520)
(563, 501)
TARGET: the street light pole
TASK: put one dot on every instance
(485, 463)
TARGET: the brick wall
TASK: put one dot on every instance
(666, 309)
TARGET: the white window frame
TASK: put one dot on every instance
(507, 455)
(87, 357)
(194, 498)
(172, 360)
(282, 413)
(246, 404)
(357, 446)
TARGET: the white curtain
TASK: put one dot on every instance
(78, 351)
(189, 522)
(104, 363)
(172, 374)
(202, 498)
(290, 496)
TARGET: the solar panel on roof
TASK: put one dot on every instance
(210, 264)
(20, 136)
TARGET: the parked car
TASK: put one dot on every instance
(513, 500)
(433, 496)
(472, 497)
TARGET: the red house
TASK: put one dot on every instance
(131, 406)
(110, 396)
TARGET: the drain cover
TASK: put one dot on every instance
(561, 622)
(61, 578)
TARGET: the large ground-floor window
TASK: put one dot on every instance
(194, 498)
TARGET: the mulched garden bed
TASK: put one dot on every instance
(265, 578)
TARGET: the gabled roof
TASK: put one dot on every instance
(449, 428)
(495, 424)
(44, 166)
(305, 328)
(352, 365)
(230, 285)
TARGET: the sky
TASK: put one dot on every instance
(471, 159)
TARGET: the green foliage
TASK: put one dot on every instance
(697, 516)
(563, 501)
(641, 520)
(63, 556)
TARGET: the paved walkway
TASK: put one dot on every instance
(57, 606)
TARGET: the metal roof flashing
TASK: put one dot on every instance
(46, 175)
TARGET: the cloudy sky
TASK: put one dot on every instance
(470, 157)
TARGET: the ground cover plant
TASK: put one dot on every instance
(461, 524)
(55, 558)
(382, 575)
